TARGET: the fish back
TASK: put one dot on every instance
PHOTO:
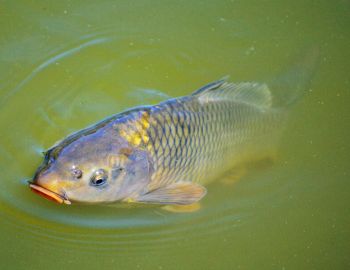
(195, 138)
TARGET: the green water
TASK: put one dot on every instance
(67, 64)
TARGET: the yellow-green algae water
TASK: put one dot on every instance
(68, 64)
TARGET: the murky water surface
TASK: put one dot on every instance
(68, 64)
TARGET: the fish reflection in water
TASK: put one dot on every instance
(167, 153)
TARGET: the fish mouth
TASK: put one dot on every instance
(48, 194)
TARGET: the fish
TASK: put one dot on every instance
(168, 153)
(162, 154)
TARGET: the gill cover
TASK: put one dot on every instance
(138, 170)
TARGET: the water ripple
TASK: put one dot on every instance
(63, 99)
(51, 61)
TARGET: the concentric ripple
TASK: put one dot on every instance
(75, 87)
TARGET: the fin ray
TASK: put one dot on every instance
(181, 193)
(247, 92)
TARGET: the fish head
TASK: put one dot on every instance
(96, 168)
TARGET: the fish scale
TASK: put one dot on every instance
(190, 140)
(180, 144)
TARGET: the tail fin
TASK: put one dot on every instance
(289, 87)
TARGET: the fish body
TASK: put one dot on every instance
(165, 153)
(198, 137)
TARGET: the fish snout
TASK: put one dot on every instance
(47, 185)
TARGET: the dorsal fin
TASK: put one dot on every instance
(247, 92)
(210, 86)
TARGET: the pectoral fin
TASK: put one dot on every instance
(182, 193)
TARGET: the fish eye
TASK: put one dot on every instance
(77, 173)
(99, 177)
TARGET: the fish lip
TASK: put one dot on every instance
(48, 194)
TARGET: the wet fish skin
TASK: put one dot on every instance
(195, 138)
(165, 153)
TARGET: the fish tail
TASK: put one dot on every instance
(293, 83)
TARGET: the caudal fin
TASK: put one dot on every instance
(292, 84)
